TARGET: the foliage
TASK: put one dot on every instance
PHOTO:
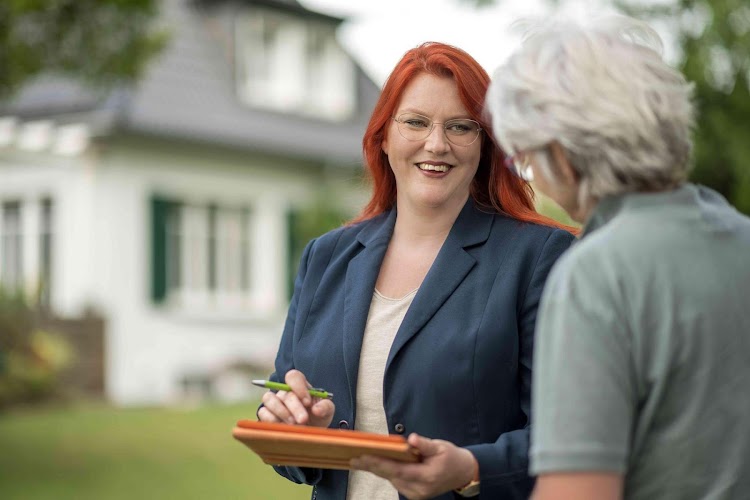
(547, 206)
(30, 359)
(310, 222)
(101, 42)
(98, 452)
(713, 38)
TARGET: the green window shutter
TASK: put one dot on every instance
(160, 209)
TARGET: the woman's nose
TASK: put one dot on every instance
(437, 142)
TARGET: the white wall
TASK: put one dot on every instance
(102, 254)
(152, 347)
(28, 178)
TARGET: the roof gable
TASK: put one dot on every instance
(190, 92)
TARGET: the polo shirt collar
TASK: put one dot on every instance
(608, 208)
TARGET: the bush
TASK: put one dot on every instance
(30, 359)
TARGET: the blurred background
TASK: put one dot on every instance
(162, 165)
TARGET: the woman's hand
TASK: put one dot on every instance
(297, 406)
(444, 467)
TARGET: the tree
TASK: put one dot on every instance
(99, 42)
(713, 38)
(717, 59)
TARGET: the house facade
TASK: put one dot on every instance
(166, 207)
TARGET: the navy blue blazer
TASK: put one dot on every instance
(459, 368)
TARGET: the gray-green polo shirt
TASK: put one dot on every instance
(642, 357)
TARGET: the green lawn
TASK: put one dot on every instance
(109, 454)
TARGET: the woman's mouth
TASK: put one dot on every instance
(434, 167)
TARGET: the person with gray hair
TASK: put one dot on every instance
(642, 354)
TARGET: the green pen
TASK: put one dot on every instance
(278, 386)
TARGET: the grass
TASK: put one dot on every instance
(96, 452)
(102, 453)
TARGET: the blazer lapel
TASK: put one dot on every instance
(361, 275)
(451, 266)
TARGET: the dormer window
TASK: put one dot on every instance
(293, 65)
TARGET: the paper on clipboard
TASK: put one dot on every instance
(304, 446)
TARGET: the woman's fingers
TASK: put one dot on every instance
(265, 415)
(297, 406)
(321, 412)
(294, 406)
(323, 408)
(276, 407)
(299, 384)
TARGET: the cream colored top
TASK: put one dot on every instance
(383, 321)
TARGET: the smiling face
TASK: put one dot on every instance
(432, 173)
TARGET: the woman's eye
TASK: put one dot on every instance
(416, 123)
(458, 128)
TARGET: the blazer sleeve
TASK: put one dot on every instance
(504, 464)
(285, 361)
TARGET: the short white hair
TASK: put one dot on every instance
(623, 116)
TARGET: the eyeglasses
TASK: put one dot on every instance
(461, 132)
(520, 164)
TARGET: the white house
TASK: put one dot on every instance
(165, 207)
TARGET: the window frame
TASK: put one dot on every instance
(202, 254)
(323, 87)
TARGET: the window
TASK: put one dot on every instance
(11, 246)
(200, 255)
(191, 242)
(26, 247)
(231, 255)
(294, 65)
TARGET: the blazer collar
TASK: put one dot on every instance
(450, 268)
(361, 274)
(452, 264)
(378, 228)
(472, 227)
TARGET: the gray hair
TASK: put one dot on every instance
(622, 115)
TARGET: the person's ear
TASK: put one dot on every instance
(384, 144)
(562, 165)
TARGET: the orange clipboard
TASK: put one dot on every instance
(304, 446)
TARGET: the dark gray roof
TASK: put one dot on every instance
(291, 6)
(188, 92)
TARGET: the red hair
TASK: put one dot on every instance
(494, 188)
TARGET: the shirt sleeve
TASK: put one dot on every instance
(584, 393)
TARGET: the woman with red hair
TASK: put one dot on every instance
(419, 315)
